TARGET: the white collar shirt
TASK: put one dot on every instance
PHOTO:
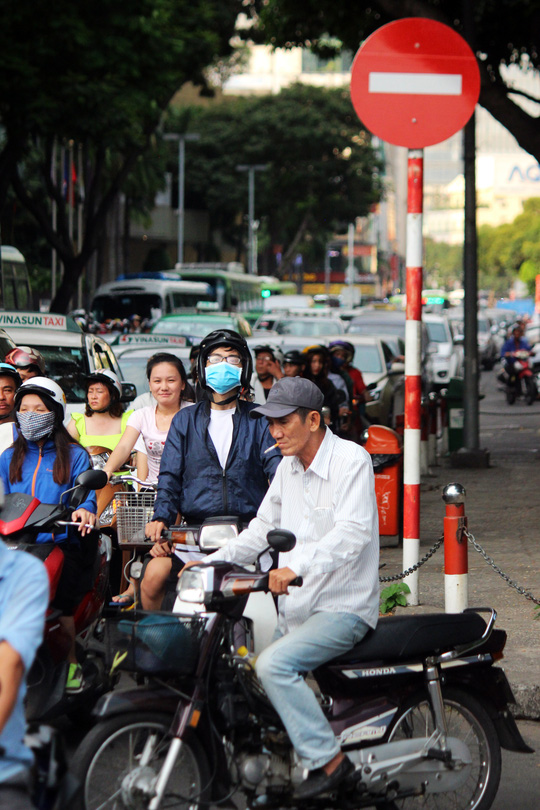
(332, 510)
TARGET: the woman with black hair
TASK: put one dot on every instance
(45, 461)
(147, 428)
(103, 421)
(317, 369)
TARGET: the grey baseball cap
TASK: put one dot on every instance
(287, 395)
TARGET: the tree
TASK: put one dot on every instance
(507, 33)
(511, 250)
(443, 264)
(98, 75)
(321, 171)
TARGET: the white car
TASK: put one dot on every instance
(376, 360)
(133, 352)
(69, 353)
(446, 354)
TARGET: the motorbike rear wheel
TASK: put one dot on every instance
(467, 720)
(112, 751)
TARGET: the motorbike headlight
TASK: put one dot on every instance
(99, 460)
(108, 513)
(190, 587)
(216, 536)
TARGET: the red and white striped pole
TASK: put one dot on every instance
(413, 379)
(456, 563)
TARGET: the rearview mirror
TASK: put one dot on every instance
(281, 540)
(129, 392)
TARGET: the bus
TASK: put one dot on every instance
(234, 289)
(15, 281)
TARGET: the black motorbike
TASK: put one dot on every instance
(418, 707)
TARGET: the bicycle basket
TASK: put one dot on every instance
(154, 643)
(133, 511)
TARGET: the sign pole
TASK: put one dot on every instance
(413, 371)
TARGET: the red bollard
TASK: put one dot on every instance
(456, 565)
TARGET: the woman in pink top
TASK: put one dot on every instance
(147, 428)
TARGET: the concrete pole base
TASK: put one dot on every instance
(465, 458)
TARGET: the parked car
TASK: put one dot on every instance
(376, 361)
(392, 322)
(488, 346)
(195, 325)
(133, 356)
(446, 351)
(69, 353)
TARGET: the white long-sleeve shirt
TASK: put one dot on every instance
(332, 510)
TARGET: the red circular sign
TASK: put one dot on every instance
(415, 82)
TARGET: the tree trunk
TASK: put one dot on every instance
(286, 263)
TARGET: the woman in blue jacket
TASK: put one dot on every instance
(45, 461)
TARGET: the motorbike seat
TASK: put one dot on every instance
(400, 638)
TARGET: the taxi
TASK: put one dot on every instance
(69, 353)
(133, 351)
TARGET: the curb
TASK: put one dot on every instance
(527, 705)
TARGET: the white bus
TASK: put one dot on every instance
(15, 292)
(149, 298)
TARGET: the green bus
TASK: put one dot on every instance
(233, 289)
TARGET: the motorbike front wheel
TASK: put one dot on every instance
(468, 721)
(108, 762)
(532, 393)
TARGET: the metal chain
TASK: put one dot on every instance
(477, 547)
(418, 565)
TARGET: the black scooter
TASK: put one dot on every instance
(418, 706)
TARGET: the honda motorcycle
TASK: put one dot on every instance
(520, 379)
(23, 517)
(417, 706)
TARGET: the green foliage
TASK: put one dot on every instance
(505, 32)
(392, 596)
(510, 251)
(443, 264)
(321, 169)
(100, 75)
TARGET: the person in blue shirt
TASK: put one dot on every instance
(515, 343)
(24, 597)
(44, 461)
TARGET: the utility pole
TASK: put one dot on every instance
(251, 168)
(181, 138)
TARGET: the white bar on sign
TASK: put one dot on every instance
(422, 84)
(413, 348)
(411, 456)
(414, 248)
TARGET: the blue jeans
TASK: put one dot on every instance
(281, 667)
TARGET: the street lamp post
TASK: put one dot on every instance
(252, 227)
(181, 138)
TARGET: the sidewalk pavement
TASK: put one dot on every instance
(503, 510)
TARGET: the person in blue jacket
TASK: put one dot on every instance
(44, 461)
(215, 460)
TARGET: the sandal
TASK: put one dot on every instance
(122, 600)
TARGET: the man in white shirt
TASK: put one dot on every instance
(323, 491)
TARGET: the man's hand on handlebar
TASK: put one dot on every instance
(280, 579)
(86, 519)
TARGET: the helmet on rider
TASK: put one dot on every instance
(7, 370)
(26, 360)
(231, 339)
(48, 390)
(274, 351)
(342, 346)
(109, 379)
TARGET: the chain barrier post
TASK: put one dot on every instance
(433, 408)
(456, 584)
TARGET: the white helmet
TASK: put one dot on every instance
(109, 378)
(46, 388)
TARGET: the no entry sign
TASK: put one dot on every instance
(415, 82)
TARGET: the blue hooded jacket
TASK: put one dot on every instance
(193, 482)
(37, 479)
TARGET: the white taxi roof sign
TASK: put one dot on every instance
(35, 320)
(144, 339)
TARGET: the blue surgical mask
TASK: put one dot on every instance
(223, 377)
